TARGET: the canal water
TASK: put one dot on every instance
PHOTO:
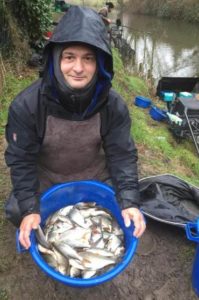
(162, 47)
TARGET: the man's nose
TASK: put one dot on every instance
(78, 65)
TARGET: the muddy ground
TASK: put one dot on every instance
(160, 270)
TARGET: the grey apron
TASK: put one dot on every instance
(71, 150)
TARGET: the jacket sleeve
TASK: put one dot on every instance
(121, 153)
(21, 156)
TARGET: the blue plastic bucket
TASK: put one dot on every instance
(192, 231)
(71, 193)
(142, 101)
(157, 114)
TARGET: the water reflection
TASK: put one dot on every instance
(162, 47)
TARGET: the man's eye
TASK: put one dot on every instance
(90, 58)
(68, 57)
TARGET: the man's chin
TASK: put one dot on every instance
(77, 85)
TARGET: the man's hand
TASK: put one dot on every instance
(28, 223)
(137, 217)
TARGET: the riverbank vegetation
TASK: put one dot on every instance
(187, 10)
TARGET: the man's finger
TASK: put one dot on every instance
(139, 229)
(137, 226)
(127, 220)
(27, 238)
(35, 225)
(24, 238)
(24, 235)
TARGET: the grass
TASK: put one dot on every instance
(127, 86)
(3, 294)
(13, 85)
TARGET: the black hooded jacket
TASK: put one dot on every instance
(28, 112)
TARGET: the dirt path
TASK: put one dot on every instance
(160, 270)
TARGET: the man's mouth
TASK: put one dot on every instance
(78, 77)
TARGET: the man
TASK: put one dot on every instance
(70, 125)
(104, 11)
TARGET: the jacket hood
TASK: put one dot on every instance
(82, 25)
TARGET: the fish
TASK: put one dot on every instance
(77, 232)
(88, 273)
(44, 250)
(95, 262)
(113, 243)
(51, 260)
(67, 251)
(65, 210)
(119, 251)
(74, 272)
(76, 216)
(41, 238)
(76, 264)
(81, 241)
(100, 252)
(100, 244)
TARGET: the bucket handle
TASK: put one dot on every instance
(19, 246)
(192, 230)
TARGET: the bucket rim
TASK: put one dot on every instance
(55, 187)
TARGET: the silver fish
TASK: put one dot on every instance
(119, 251)
(100, 244)
(77, 233)
(51, 260)
(88, 273)
(113, 243)
(74, 272)
(95, 262)
(76, 216)
(76, 264)
(61, 260)
(67, 251)
(65, 210)
(41, 238)
(84, 240)
(100, 252)
(44, 250)
(86, 213)
(63, 269)
(52, 218)
(85, 205)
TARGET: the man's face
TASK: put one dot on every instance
(78, 65)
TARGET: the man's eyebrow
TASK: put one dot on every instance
(73, 53)
(67, 52)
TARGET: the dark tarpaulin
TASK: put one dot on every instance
(169, 199)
